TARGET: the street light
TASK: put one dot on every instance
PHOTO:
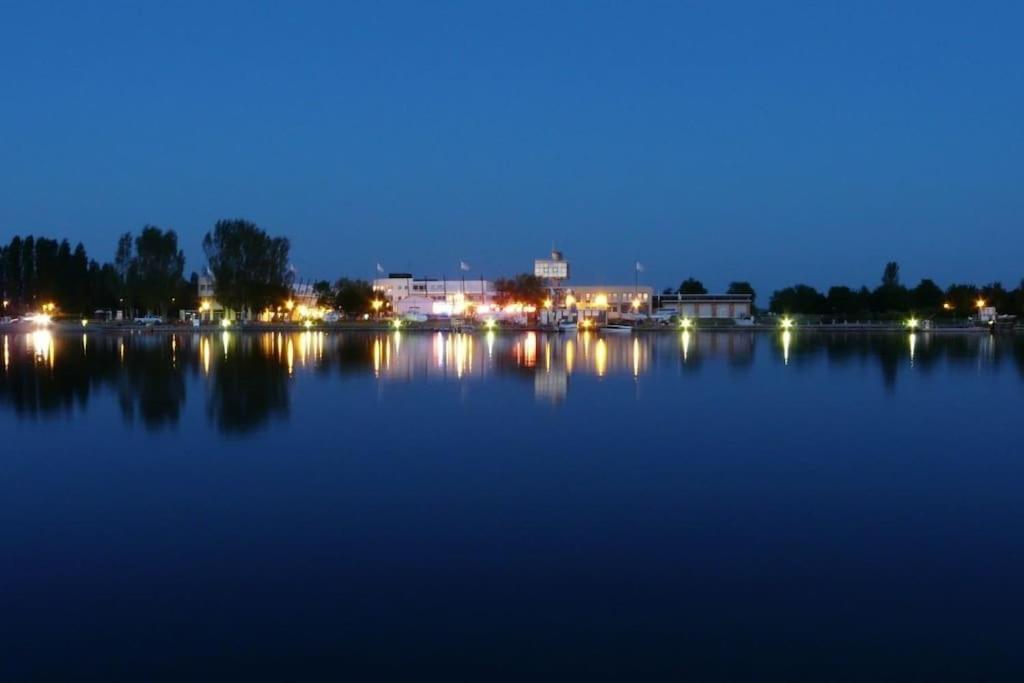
(980, 303)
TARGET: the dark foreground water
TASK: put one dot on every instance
(367, 507)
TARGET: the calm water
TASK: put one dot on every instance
(707, 507)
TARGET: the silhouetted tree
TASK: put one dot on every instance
(525, 288)
(249, 266)
(927, 296)
(692, 286)
(354, 297)
(742, 287)
(797, 299)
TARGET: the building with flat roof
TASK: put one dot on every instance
(614, 301)
(429, 296)
(706, 306)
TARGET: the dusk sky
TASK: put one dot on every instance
(771, 142)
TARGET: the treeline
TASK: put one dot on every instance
(891, 299)
(37, 270)
(146, 274)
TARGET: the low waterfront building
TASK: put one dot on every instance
(707, 306)
(609, 301)
(430, 296)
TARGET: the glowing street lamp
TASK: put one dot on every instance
(980, 303)
(570, 300)
(913, 323)
(686, 323)
(947, 306)
(547, 303)
(786, 323)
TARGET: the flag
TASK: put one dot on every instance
(463, 266)
(380, 268)
(639, 267)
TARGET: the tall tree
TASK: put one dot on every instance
(157, 266)
(250, 267)
(926, 297)
(123, 258)
(891, 274)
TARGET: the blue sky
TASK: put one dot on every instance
(772, 142)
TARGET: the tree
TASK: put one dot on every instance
(742, 287)
(354, 296)
(325, 294)
(927, 296)
(891, 274)
(250, 267)
(692, 286)
(156, 268)
(123, 268)
(961, 299)
(842, 302)
(797, 299)
(523, 288)
(891, 296)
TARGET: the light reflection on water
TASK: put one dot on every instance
(253, 358)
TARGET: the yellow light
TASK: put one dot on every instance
(376, 304)
(601, 300)
(787, 339)
(786, 323)
(980, 303)
(204, 306)
(547, 303)
(489, 323)
(396, 323)
(636, 303)
(913, 323)
(225, 322)
(948, 306)
(84, 322)
(308, 324)
(303, 311)
(686, 323)
(570, 300)
(289, 305)
(40, 319)
(601, 358)
(6, 303)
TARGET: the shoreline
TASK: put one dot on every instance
(441, 326)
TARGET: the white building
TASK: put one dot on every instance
(428, 296)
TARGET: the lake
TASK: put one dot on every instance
(699, 506)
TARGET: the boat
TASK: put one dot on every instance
(617, 329)
(567, 326)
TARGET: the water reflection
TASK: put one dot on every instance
(244, 379)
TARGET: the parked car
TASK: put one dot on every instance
(331, 317)
(149, 320)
